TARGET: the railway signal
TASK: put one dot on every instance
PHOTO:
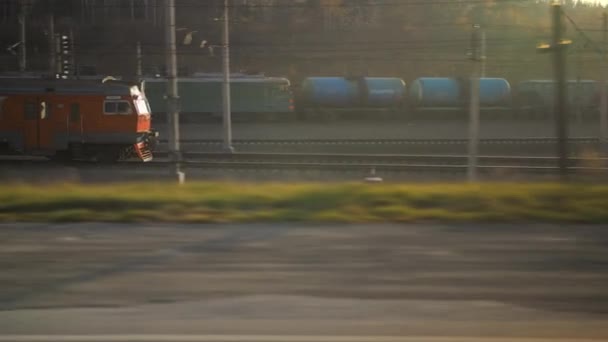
(65, 67)
(65, 45)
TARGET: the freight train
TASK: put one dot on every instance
(329, 98)
(103, 120)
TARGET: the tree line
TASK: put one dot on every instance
(296, 38)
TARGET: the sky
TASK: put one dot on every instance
(603, 2)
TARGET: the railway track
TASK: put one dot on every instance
(501, 141)
(403, 160)
(388, 168)
(389, 163)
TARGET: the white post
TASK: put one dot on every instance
(227, 121)
(172, 91)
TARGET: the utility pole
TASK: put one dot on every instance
(58, 56)
(172, 93)
(474, 105)
(603, 89)
(483, 53)
(52, 46)
(154, 12)
(138, 71)
(557, 47)
(577, 90)
(22, 37)
(72, 59)
(227, 120)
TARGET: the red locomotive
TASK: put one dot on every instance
(105, 120)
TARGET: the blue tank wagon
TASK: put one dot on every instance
(442, 97)
(341, 97)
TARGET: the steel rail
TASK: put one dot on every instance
(498, 141)
(380, 167)
(159, 165)
(335, 158)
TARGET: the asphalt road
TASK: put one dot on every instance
(323, 281)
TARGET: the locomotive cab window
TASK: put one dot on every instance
(117, 108)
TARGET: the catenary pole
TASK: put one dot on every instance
(227, 120)
(172, 92)
(474, 106)
(483, 53)
(603, 87)
(52, 45)
(560, 90)
(22, 36)
(138, 70)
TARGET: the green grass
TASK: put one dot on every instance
(350, 202)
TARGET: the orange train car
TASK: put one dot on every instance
(103, 120)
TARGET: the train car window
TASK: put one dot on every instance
(75, 112)
(117, 108)
(31, 111)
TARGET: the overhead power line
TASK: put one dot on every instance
(582, 33)
(286, 4)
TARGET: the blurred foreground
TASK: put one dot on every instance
(364, 280)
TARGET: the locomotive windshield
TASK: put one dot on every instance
(141, 103)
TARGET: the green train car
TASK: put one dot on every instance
(535, 98)
(252, 97)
